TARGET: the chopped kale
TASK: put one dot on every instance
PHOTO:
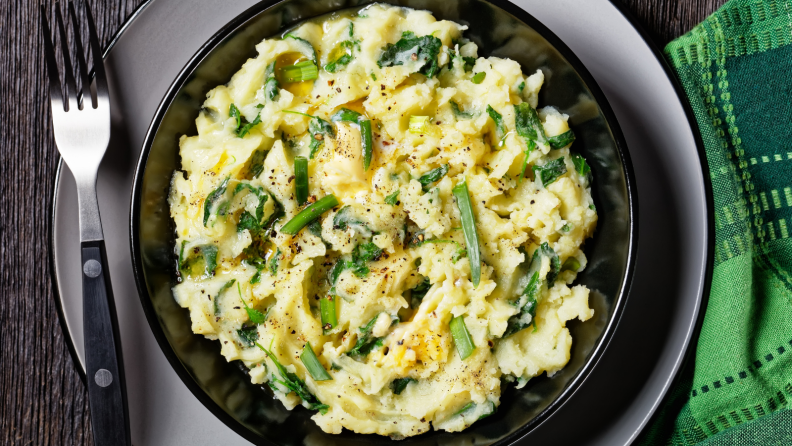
(419, 292)
(212, 198)
(412, 48)
(393, 198)
(248, 335)
(458, 112)
(398, 385)
(308, 49)
(562, 140)
(581, 166)
(433, 175)
(551, 171)
(294, 384)
(498, 119)
(528, 124)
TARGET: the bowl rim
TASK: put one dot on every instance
(520, 14)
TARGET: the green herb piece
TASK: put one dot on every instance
(209, 253)
(373, 76)
(346, 218)
(419, 124)
(566, 227)
(181, 259)
(212, 198)
(260, 195)
(301, 179)
(555, 263)
(344, 50)
(571, 264)
(592, 207)
(366, 341)
(247, 127)
(361, 255)
(271, 86)
(366, 137)
(479, 77)
(398, 385)
(367, 141)
(315, 227)
(309, 214)
(233, 112)
(273, 263)
(293, 383)
(346, 115)
(466, 408)
(433, 175)
(498, 119)
(393, 198)
(419, 292)
(469, 228)
(327, 307)
(528, 124)
(219, 293)
(319, 130)
(581, 166)
(529, 299)
(411, 48)
(255, 164)
(248, 335)
(256, 278)
(242, 126)
(308, 49)
(531, 147)
(550, 172)
(312, 364)
(255, 316)
(562, 140)
(462, 340)
(468, 62)
(521, 87)
(458, 112)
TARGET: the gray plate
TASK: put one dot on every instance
(661, 316)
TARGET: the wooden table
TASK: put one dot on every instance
(42, 400)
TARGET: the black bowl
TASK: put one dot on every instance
(500, 29)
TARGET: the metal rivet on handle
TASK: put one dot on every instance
(103, 377)
(92, 269)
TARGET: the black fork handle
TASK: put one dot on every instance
(103, 363)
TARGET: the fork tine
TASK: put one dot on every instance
(82, 66)
(71, 85)
(56, 96)
(99, 68)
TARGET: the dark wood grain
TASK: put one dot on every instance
(42, 400)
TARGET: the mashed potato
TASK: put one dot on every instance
(322, 231)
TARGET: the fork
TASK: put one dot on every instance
(81, 123)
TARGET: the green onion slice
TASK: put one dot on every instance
(571, 264)
(367, 141)
(469, 228)
(311, 362)
(418, 124)
(462, 340)
(301, 179)
(327, 306)
(309, 214)
(479, 77)
(301, 71)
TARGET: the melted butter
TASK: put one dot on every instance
(298, 89)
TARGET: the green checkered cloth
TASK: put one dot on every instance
(736, 69)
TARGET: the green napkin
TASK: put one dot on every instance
(736, 69)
